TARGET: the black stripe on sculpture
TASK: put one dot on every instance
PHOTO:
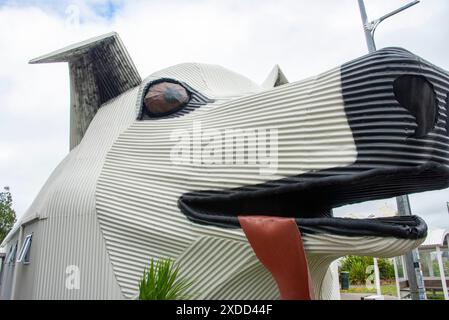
(399, 129)
(447, 113)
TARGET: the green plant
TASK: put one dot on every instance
(436, 268)
(162, 282)
(386, 289)
(357, 274)
(386, 269)
(357, 267)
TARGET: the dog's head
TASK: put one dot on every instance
(206, 146)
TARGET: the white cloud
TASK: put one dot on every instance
(304, 37)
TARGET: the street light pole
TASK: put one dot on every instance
(414, 274)
(411, 258)
(370, 26)
(366, 27)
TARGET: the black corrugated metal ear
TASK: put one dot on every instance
(416, 94)
(100, 70)
(276, 78)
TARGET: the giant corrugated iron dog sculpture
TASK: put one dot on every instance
(175, 165)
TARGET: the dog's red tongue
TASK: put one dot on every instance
(278, 245)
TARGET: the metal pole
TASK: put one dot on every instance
(392, 13)
(413, 266)
(404, 272)
(377, 277)
(414, 273)
(370, 26)
(430, 266)
(368, 35)
(396, 278)
(442, 275)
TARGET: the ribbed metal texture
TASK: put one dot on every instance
(139, 186)
(100, 70)
(313, 119)
(111, 205)
(69, 232)
(59, 236)
(382, 131)
(213, 81)
(226, 268)
(379, 124)
(7, 270)
(322, 249)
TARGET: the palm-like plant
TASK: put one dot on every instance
(162, 282)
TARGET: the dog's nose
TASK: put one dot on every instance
(416, 94)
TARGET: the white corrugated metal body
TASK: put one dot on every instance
(138, 167)
(137, 224)
(7, 273)
(69, 232)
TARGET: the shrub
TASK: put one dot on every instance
(356, 266)
(357, 273)
(162, 282)
(386, 269)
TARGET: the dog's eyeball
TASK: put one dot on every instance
(165, 97)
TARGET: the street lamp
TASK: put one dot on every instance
(370, 26)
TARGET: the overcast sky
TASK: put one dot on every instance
(303, 37)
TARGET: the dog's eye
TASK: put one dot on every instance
(164, 98)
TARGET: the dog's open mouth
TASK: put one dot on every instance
(404, 227)
(276, 215)
(277, 219)
(309, 203)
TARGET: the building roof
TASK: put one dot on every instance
(435, 237)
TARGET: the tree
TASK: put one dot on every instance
(7, 214)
